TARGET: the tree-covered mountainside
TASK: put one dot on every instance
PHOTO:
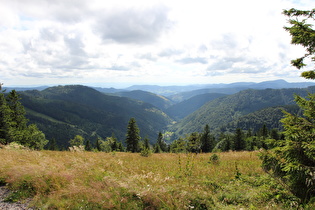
(64, 111)
(159, 101)
(224, 110)
(270, 117)
(179, 97)
(184, 108)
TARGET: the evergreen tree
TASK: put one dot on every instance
(263, 132)
(239, 142)
(5, 120)
(274, 134)
(193, 143)
(146, 143)
(113, 142)
(132, 136)
(178, 145)
(292, 160)
(161, 143)
(53, 145)
(88, 146)
(303, 34)
(157, 148)
(17, 111)
(98, 144)
(13, 124)
(207, 140)
(120, 147)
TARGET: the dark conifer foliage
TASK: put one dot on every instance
(132, 136)
(13, 123)
(207, 140)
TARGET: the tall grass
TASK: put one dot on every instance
(87, 180)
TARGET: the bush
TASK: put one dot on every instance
(214, 159)
(145, 152)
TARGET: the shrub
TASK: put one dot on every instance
(214, 158)
(145, 152)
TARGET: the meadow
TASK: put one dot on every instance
(98, 180)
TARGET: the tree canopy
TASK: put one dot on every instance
(303, 34)
(292, 159)
(13, 123)
(132, 136)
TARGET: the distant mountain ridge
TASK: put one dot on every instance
(175, 89)
(172, 90)
(159, 101)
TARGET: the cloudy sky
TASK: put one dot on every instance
(123, 42)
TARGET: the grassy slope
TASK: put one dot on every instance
(87, 180)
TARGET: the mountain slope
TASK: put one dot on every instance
(184, 108)
(160, 102)
(221, 111)
(269, 116)
(85, 111)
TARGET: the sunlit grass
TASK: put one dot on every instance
(90, 180)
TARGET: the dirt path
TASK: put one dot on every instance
(4, 192)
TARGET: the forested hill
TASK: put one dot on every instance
(180, 110)
(64, 111)
(221, 111)
(159, 101)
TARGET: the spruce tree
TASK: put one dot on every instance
(292, 159)
(17, 111)
(146, 144)
(5, 120)
(207, 140)
(239, 142)
(13, 124)
(161, 143)
(194, 144)
(98, 144)
(132, 136)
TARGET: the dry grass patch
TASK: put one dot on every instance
(90, 180)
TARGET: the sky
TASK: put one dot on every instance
(117, 43)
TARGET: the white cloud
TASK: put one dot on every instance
(145, 41)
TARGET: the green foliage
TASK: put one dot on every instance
(132, 136)
(88, 146)
(146, 144)
(178, 146)
(52, 145)
(160, 144)
(76, 141)
(159, 101)
(228, 113)
(239, 142)
(65, 111)
(293, 159)
(180, 110)
(207, 140)
(145, 152)
(13, 124)
(303, 34)
(214, 159)
(193, 142)
(5, 121)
